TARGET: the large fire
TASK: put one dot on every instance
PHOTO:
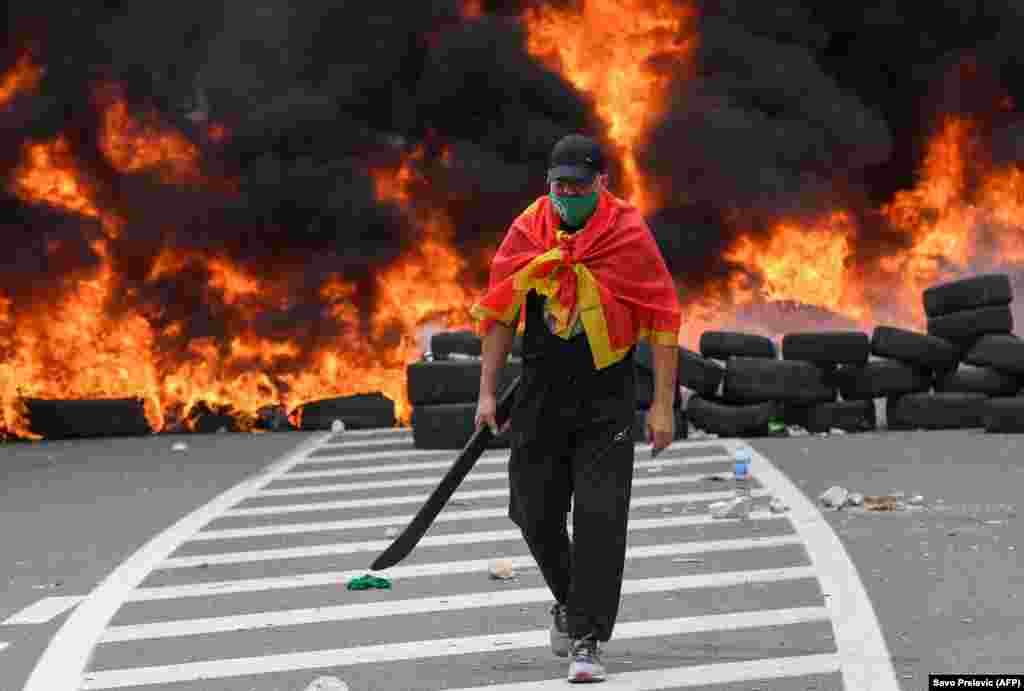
(963, 214)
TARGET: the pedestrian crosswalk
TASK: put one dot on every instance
(256, 600)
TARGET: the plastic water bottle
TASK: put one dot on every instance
(741, 472)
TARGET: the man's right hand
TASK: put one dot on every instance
(486, 410)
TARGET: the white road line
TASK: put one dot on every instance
(866, 662)
(433, 648)
(444, 568)
(400, 519)
(430, 481)
(343, 455)
(330, 549)
(44, 610)
(62, 663)
(448, 603)
(460, 495)
(503, 461)
(697, 675)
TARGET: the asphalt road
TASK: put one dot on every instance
(245, 591)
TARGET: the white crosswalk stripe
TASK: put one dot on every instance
(178, 626)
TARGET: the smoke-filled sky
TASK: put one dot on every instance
(793, 105)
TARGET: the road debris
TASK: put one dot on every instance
(337, 426)
(836, 431)
(834, 497)
(366, 582)
(777, 505)
(855, 499)
(501, 569)
(327, 684)
(916, 500)
(733, 508)
(179, 446)
(391, 532)
(717, 477)
(796, 431)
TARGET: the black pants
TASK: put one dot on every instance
(572, 436)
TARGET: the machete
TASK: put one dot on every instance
(421, 522)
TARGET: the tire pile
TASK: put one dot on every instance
(444, 388)
(967, 371)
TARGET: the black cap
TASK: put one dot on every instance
(576, 157)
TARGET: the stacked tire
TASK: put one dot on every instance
(735, 379)
(983, 389)
(444, 390)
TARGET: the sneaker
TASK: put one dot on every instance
(560, 630)
(586, 664)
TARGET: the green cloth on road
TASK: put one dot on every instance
(776, 425)
(368, 581)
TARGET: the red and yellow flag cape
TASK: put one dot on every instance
(611, 271)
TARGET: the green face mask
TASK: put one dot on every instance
(575, 210)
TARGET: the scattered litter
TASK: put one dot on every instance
(718, 477)
(48, 586)
(994, 522)
(777, 505)
(775, 425)
(327, 684)
(501, 569)
(733, 508)
(337, 426)
(916, 500)
(666, 509)
(391, 532)
(835, 497)
(883, 503)
(855, 499)
(687, 560)
(179, 446)
(796, 431)
(967, 620)
(836, 431)
(366, 582)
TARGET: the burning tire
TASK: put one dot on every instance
(880, 378)
(73, 419)
(915, 349)
(944, 410)
(362, 411)
(966, 327)
(1004, 352)
(722, 345)
(1005, 414)
(643, 359)
(448, 426)
(444, 343)
(827, 347)
(850, 416)
(974, 379)
(757, 380)
(698, 374)
(732, 421)
(640, 426)
(452, 381)
(986, 290)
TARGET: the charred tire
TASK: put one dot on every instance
(732, 421)
(640, 426)
(444, 343)
(966, 327)
(73, 419)
(986, 290)
(880, 378)
(850, 416)
(452, 381)
(945, 410)
(1005, 414)
(827, 347)
(699, 374)
(758, 380)
(1004, 352)
(449, 426)
(913, 348)
(722, 345)
(362, 411)
(974, 379)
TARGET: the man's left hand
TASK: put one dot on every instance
(661, 427)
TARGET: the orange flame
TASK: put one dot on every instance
(618, 51)
(21, 78)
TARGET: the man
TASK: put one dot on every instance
(593, 282)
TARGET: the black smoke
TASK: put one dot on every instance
(791, 108)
